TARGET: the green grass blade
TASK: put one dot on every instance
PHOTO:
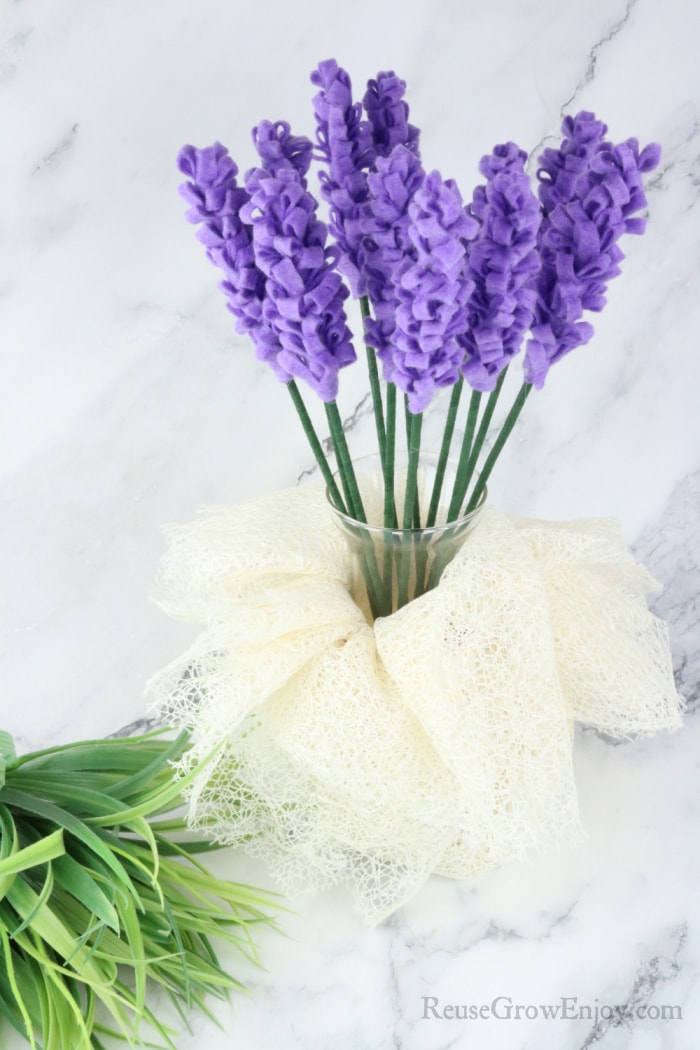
(132, 934)
(156, 767)
(47, 849)
(67, 1024)
(177, 937)
(87, 751)
(68, 790)
(79, 883)
(9, 846)
(62, 818)
(7, 754)
(160, 800)
(39, 902)
(12, 981)
(49, 927)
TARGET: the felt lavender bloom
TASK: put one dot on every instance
(616, 171)
(388, 115)
(586, 213)
(303, 292)
(432, 290)
(278, 148)
(502, 262)
(386, 241)
(345, 144)
(563, 171)
(215, 201)
(213, 177)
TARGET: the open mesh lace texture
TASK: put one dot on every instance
(437, 741)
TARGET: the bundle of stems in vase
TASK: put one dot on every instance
(449, 292)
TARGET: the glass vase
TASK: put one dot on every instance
(390, 565)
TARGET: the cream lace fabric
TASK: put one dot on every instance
(437, 741)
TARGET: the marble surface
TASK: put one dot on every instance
(128, 400)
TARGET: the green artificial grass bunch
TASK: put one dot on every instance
(101, 896)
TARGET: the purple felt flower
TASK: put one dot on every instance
(591, 191)
(345, 144)
(278, 148)
(506, 157)
(432, 290)
(388, 115)
(213, 177)
(215, 201)
(502, 262)
(304, 294)
(562, 170)
(386, 241)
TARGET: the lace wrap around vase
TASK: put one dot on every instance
(438, 740)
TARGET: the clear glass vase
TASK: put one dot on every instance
(392, 566)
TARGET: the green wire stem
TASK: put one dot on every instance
(356, 510)
(409, 418)
(461, 481)
(316, 446)
(414, 424)
(444, 452)
(344, 461)
(500, 441)
(374, 384)
(390, 519)
(481, 434)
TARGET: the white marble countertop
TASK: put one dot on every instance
(128, 400)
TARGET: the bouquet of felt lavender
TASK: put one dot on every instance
(361, 736)
(450, 293)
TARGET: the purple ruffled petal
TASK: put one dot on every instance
(345, 145)
(303, 293)
(432, 288)
(590, 192)
(388, 115)
(278, 148)
(216, 202)
(502, 263)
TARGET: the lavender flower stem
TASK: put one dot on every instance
(482, 431)
(390, 519)
(409, 418)
(461, 480)
(373, 580)
(316, 446)
(374, 386)
(444, 452)
(500, 441)
(410, 500)
(345, 467)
